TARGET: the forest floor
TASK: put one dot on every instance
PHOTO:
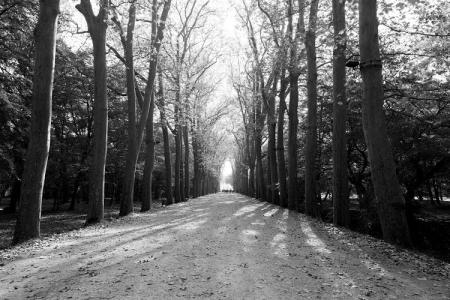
(221, 246)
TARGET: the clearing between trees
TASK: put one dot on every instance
(220, 246)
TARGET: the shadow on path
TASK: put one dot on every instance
(222, 246)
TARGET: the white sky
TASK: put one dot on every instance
(228, 34)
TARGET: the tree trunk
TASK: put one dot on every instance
(260, 185)
(341, 215)
(186, 161)
(167, 162)
(260, 182)
(280, 144)
(126, 203)
(271, 148)
(294, 74)
(251, 181)
(251, 163)
(177, 158)
(292, 142)
(97, 30)
(28, 218)
(182, 196)
(311, 205)
(147, 196)
(196, 163)
(390, 201)
(165, 133)
(98, 161)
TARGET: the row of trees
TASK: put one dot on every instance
(103, 100)
(349, 141)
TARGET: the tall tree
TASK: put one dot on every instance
(165, 132)
(157, 29)
(294, 74)
(97, 25)
(269, 101)
(271, 150)
(28, 218)
(178, 132)
(281, 162)
(390, 201)
(261, 191)
(340, 175)
(186, 153)
(311, 205)
(132, 151)
(147, 196)
(248, 123)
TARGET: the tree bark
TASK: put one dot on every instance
(28, 218)
(147, 196)
(186, 161)
(341, 215)
(97, 29)
(292, 141)
(311, 205)
(178, 150)
(165, 132)
(196, 163)
(390, 201)
(294, 74)
(182, 196)
(280, 144)
(271, 148)
(126, 202)
(251, 158)
(261, 185)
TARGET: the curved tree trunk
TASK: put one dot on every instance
(390, 201)
(341, 215)
(28, 218)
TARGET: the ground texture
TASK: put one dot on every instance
(222, 246)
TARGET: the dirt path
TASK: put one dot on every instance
(223, 246)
